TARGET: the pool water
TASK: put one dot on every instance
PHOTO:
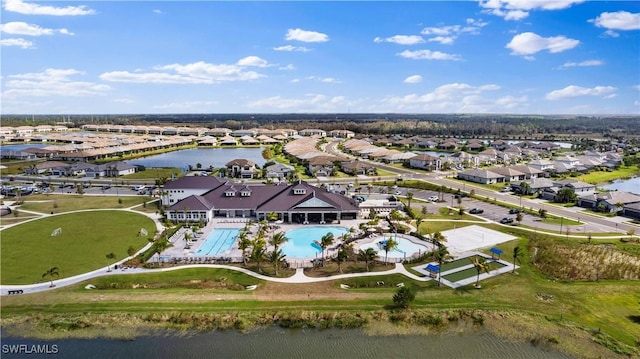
(405, 248)
(301, 243)
(218, 242)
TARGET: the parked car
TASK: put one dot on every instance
(514, 211)
(476, 210)
(398, 192)
(506, 189)
(506, 220)
(433, 198)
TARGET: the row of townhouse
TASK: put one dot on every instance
(77, 169)
(8, 133)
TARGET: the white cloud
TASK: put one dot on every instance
(413, 79)
(637, 87)
(51, 82)
(428, 55)
(610, 33)
(306, 36)
(572, 91)
(323, 79)
(620, 20)
(402, 39)
(308, 103)
(519, 9)
(34, 9)
(17, 42)
(585, 63)
(445, 40)
(253, 61)
(157, 11)
(289, 67)
(194, 73)
(22, 28)
(448, 34)
(292, 48)
(123, 100)
(529, 43)
(457, 97)
(183, 106)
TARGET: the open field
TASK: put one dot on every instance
(155, 173)
(44, 203)
(28, 250)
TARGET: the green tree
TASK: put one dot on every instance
(442, 256)
(403, 297)
(341, 257)
(519, 217)
(517, 253)
(258, 252)
(110, 257)
(481, 265)
(243, 244)
(131, 251)
(276, 257)
(272, 216)
(52, 272)
(367, 255)
(566, 195)
(325, 242)
(277, 240)
(409, 198)
(388, 245)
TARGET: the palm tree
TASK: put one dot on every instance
(52, 272)
(110, 257)
(325, 242)
(369, 187)
(517, 253)
(161, 244)
(187, 237)
(341, 257)
(438, 239)
(409, 198)
(481, 265)
(388, 245)
(258, 253)
(243, 244)
(277, 240)
(276, 257)
(442, 255)
(367, 256)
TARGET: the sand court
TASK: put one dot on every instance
(473, 237)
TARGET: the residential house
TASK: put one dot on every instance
(243, 168)
(426, 162)
(279, 171)
(614, 201)
(480, 176)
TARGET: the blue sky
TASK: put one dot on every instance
(488, 56)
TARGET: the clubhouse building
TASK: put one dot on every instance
(201, 198)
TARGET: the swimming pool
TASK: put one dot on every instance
(301, 241)
(406, 248)
(218, 242)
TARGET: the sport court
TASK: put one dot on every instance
(465, 239)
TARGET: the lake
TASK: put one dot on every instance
(216, 157)
(287, 343)
(629, 185)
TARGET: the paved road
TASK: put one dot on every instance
(593, 223)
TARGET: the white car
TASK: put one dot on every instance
(433, 198)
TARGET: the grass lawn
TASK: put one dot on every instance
(440, 226)
(602, 177)
(28, 250)
(155, 173)
(64, 203)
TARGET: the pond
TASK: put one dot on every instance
(629, 185)
(216, 157)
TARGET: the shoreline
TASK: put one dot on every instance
(562, 336)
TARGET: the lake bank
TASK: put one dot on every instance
(517, 333)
